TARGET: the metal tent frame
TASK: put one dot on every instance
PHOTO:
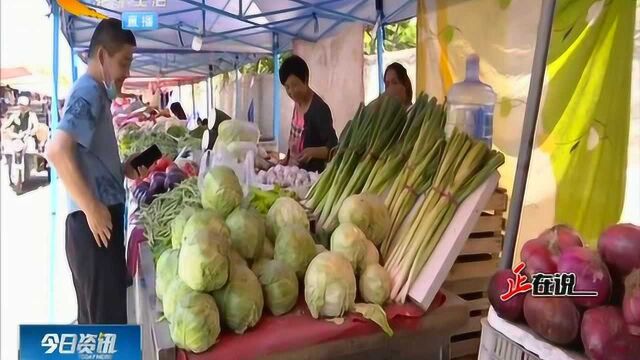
(235, 32)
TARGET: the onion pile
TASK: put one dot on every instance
(608, 324)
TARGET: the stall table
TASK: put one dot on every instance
(418, 334)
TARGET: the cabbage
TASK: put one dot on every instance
(203, 263)
(247, 232)
(295, 247)
(205, 220)
(285, 211)
(371, 256)
(329, 285)
(267, 249)
(349, 241)
(279, 284)
(176, 290)
(368, 213)
(196, 323)
(178, 224)
(166, 270)
(320, 249)
(235, 258)
(236, 130)
(240, 300)
(221, 191)
(375, 284)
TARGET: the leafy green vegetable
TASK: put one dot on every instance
(375, 284)
(329, 285)
(241, 299)
(166, 270)
(196, 323)
(285, 211)
(221, 190)
(204, 262)
(295, 247)
(177, 226)
(177, 290)
(247, 232)
(279, 284)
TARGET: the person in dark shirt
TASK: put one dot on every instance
(312, 134)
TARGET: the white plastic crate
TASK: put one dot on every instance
(495, 346)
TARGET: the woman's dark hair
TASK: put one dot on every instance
(111, 36)
(402, 75)
(294, 65)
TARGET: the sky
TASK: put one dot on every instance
(26, 38)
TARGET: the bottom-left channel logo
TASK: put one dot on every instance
(84, 342)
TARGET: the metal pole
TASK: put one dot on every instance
(74, 66)
(380, 56)
(54, 176)
(238, 92)
(276, 89)
(213, 102)
(180, 93)
(528, 131)
(193, 100)
(208, 97)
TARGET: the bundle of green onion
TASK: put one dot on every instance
(465, 165)
(378, 145)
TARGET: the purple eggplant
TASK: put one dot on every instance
(140, 189)
(157, 183)
(146, 197)
(174, 178)
(172, 167)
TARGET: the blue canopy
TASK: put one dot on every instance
(235, 32)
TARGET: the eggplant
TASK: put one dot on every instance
(174, 178)
(172, 167)
(157, 183)
(147, 197)
(140, 189)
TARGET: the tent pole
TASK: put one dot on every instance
(54, 176)
(528, 131)
(193, 100)
(238, 93)
(213, 103)
(276, 90)
(74, 66)
(208, 97)
(380, 51)
(180, 92)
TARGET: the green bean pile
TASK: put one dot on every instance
(156, 218)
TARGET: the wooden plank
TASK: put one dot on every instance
(478, 269)
(464, 348)
(467, 286)
(478, 304)
(473, 325)
(489, 223)
(488, 245)
(497, 202)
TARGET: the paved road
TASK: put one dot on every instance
(25, 228)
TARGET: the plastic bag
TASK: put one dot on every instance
(221, 156)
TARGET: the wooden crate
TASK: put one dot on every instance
(469, 276)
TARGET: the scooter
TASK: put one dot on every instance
(20, 163)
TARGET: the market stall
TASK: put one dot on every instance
(216, 247)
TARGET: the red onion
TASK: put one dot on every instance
(619, 246)
(559, 238)
(538, 259)
(631, 302)
(623, 347)
(498, 285)
(554, 318)
(591, 275)
(599, 326)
